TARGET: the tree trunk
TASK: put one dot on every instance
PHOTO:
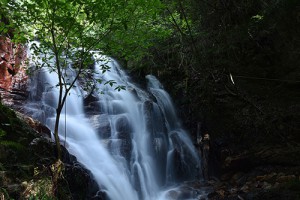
(58, 148)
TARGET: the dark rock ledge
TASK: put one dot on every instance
(26, 156)
(262, 173)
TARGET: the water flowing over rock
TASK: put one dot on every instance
(101, 125)
(130, 140)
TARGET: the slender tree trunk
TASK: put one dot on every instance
(58, 147)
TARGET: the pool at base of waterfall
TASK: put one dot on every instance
(194, 190)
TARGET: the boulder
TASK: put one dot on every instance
(184, 162)
(123, 131)
(126, 148)
(36, 125)
(123, 127)
(92, 105)
(77, 180)
(102, 125)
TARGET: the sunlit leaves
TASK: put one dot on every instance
(68, 30)
(122, 28)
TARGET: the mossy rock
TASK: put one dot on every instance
(25, 160)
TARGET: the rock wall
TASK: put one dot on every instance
(13, 76)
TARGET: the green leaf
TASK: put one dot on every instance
(120, 87)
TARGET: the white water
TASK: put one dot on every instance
(134, 147)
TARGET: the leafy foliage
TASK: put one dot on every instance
(67, 31)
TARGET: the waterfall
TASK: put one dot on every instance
(131, 140)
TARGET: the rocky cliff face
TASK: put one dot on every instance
(13, 76)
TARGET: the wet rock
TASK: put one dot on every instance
(116, 107)
(147, 106)
(93, 108)
(154, 118)
(81, 182)
(183, 162)
(120, 146)
(102, 125)
(133, 92)
(186, 193)
(92, 105)
(50, 98)
(123, 127)
(77, 179)
(173, 194)
(123, 132)
(136, 181)
(89, 99)
(126, 148)
(160, 151)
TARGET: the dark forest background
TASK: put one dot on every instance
(235, 69)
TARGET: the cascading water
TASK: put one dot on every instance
(131, 140)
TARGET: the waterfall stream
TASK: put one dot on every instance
(131, 140)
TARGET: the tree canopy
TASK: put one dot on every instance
(123, 28)
(67, 31)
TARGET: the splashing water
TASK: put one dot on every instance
(131, 140)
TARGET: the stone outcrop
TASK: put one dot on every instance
(13, 78)
(101, 124)
(267, 172)
(26, 158)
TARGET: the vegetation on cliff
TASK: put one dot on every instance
(26, 163)
(233, 66)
